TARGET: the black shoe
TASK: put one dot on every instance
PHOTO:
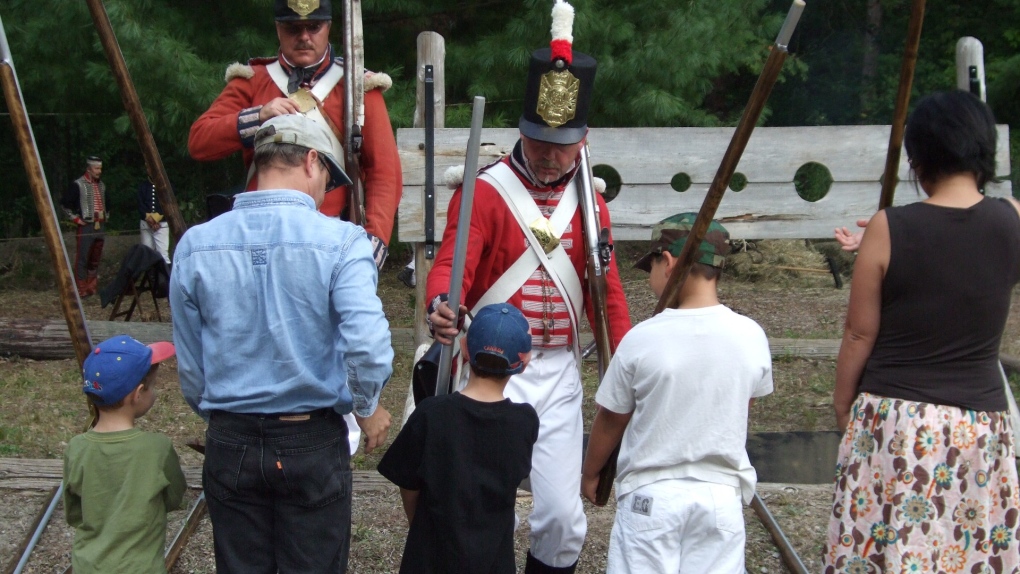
(535, 566)
(406, 276)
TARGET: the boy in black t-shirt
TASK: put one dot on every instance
(460, 457)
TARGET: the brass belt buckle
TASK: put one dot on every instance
(545, 235)
(296, 418)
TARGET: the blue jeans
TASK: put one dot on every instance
(279, 493)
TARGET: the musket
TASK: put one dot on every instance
(69, 302)
(354, 107)
(467, 198)
(892, 156)
(759, 95)
(430, 163)
(133, 106)
(598, 252)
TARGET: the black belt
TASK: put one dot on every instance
(293, 417)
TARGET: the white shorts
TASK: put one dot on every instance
(679, 525)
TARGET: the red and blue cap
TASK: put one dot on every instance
(498, 340)
(116, 366)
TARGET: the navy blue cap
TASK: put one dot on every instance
(498, 340)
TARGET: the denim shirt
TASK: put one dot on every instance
(275, 311)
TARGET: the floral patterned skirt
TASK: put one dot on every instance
(924, 488)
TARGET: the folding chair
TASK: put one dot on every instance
(142, 271)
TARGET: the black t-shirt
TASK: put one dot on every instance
(466, 458)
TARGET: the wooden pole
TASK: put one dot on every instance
(431, 52)
(786, 550)
(133, 106)
(892, 157)
(70, 304)
(195, 515)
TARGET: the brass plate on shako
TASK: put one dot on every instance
(557, 97)
(304, 99)
(303, 7)
(545, 235)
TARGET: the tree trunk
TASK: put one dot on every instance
(869, 68)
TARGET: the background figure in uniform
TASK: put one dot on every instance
(538, 177)
(678, 392)
(306, 62)
(279, 333)
(154, 231)
(926, 477)
(85, 204)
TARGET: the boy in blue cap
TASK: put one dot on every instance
(460, 457)
(119, 482)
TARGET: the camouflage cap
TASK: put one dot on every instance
(671, 233)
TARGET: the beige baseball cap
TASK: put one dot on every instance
(303, 131)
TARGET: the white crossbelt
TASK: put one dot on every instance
(557, 263)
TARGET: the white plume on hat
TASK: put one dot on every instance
(563, 21)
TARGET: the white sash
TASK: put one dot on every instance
(557, 263)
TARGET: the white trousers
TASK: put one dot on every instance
(552, 384)
(158, 240)
(679, 525)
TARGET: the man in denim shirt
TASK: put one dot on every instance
(279, 333)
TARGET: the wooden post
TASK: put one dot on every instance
(69, 302)
(153, 163)
(970, 66)
(892, 157)
(431, 51)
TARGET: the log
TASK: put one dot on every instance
(43, 474)
(47, 339)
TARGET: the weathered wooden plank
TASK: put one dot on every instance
(655, 155)
(759, 211)
(768, 208)
(43, 339)
(41, 474)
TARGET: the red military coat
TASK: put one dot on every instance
(214, 135)
(497, 241)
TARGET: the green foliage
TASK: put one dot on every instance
(661, 63)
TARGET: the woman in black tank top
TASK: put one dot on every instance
(926, 478)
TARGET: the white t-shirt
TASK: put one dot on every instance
(687, 375)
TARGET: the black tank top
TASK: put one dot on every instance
(945, 299)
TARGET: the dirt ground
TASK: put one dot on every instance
(787, 304)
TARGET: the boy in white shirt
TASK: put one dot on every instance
(678, 392)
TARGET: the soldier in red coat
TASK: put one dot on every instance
(267, 87)
(524, 204)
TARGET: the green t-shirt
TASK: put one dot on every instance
(118, 487)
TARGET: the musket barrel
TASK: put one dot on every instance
(463, 236)
(790, 24)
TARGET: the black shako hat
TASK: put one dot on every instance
(297, 10)
(560, 82)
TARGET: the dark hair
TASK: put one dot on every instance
(282, 154)
(702, 270)
(951, 132)
(487, 375)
